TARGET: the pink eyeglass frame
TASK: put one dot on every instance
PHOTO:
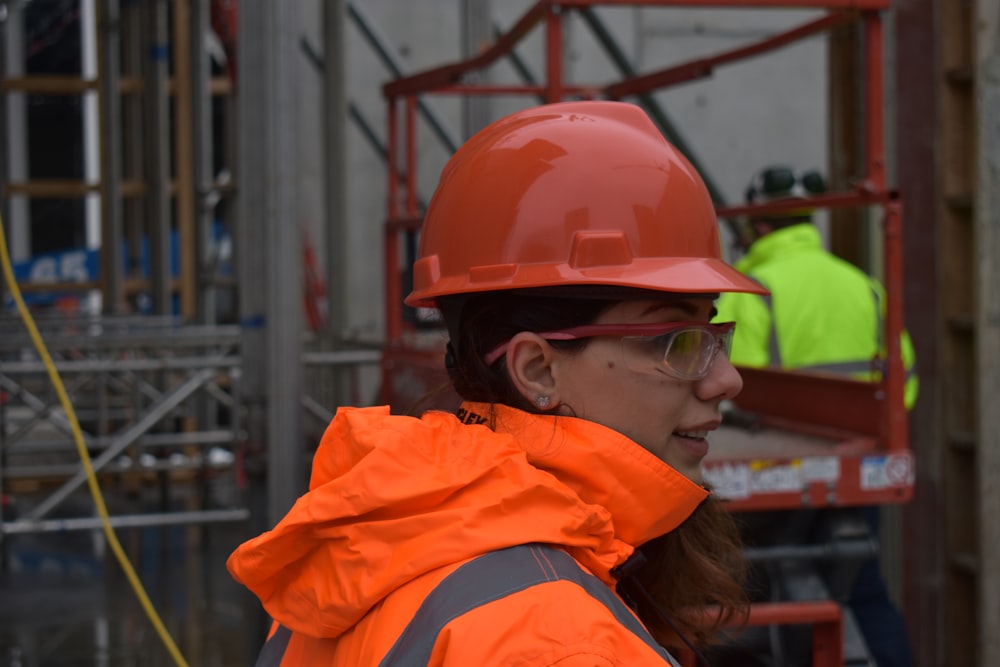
(592, 330)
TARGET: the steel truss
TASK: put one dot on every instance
(158, 403)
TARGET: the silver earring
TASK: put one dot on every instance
(543, 401)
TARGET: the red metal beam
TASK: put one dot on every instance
(826, 400)
(874, 100)
(698, 69)
(550, 10)
(861, 197)
(737, 4)
(825, 616)
(538, 91)
(896, 417)
(777, 613)
(452, 73)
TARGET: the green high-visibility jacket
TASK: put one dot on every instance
(823, 314)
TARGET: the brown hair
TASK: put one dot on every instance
(698, 565)
(690, 582)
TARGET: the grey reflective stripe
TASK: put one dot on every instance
(274, 648)
(878, 320)
(846, 367)
(850, 367)
(495, 576)
(773, 349)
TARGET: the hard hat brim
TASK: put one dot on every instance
(683, 275)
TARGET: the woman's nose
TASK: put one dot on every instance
(722, 382)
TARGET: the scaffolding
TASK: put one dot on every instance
(158, 404)
(152, 323)
(131, 319)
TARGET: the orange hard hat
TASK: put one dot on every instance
(571, 193)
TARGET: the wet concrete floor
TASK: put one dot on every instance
(65, 601)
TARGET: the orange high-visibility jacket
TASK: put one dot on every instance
(403, 543)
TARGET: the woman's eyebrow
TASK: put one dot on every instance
(687, 306)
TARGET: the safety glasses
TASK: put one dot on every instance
(684, 350)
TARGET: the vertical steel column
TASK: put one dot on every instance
(875, 172)
(157, 140)
(134, 52)
(17, 213)
(203, 177)
(112, 227)
(5, 216)
(335, 160)
(249, 245)
(286, 474)
(184, 183)
(270, 258)
(90, 49)
(477, 33)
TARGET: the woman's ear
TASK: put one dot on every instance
(529, 365)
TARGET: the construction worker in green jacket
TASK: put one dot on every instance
(824, 313)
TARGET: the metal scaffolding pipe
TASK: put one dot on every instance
(125, 521)
(125, 439)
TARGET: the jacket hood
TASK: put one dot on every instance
(392, 498)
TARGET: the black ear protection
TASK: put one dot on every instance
(782, 182)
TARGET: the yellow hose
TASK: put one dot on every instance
(95, 489)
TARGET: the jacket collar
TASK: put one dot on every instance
(780, 242)
(645, 497)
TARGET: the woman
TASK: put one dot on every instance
(574, 255)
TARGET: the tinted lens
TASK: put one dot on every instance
(690, 352)
(686, 354)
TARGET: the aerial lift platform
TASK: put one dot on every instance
(800, 441)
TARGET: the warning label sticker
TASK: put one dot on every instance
(741, 480)
(775, 477)
(886, 471)
(728, 480)
(820, 469)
